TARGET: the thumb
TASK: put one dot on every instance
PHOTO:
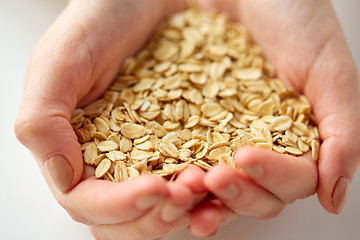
(55, 81)
(62, 72)
(338, 161)
(50, 137)
(43, 126)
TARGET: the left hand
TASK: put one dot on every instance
(74, 62)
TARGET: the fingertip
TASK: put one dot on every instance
(151, 181)
(340, 193)
(336, 165)
(249, 155)
(205, 220)
(219, 177)
(153, 190)
(147, 185)
(222, 181)
(338, 196)
(193, 177)
(177, 204)
(179, 194)
(251, 160)
(60, 172)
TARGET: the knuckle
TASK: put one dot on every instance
(26, 126)
(33, 127)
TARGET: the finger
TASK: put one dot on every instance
(95, 201)
(239, 193)
(193, 177)
(208, 218)
(338, 122)
(338, 161)
(168, 216)
(43, 123)
(285, 176)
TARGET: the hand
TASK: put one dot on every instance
(304, 41)
(72, 65)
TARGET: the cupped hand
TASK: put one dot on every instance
(304, 41)
(72, 65)
(78, 58)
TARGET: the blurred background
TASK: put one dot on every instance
(29, 211)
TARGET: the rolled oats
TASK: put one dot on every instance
(196, 93)
(102, 168)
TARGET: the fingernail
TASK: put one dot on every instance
(228, 193)
(146, 202)
(170, 213)
(340, 193)
(254, 171)
(60, 172)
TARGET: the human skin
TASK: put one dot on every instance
(305, 43)
(79, 56)
(72, 65)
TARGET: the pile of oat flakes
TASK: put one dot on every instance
(196, 93)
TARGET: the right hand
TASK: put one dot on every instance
(304, 41)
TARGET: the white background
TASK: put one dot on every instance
(28, 209)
